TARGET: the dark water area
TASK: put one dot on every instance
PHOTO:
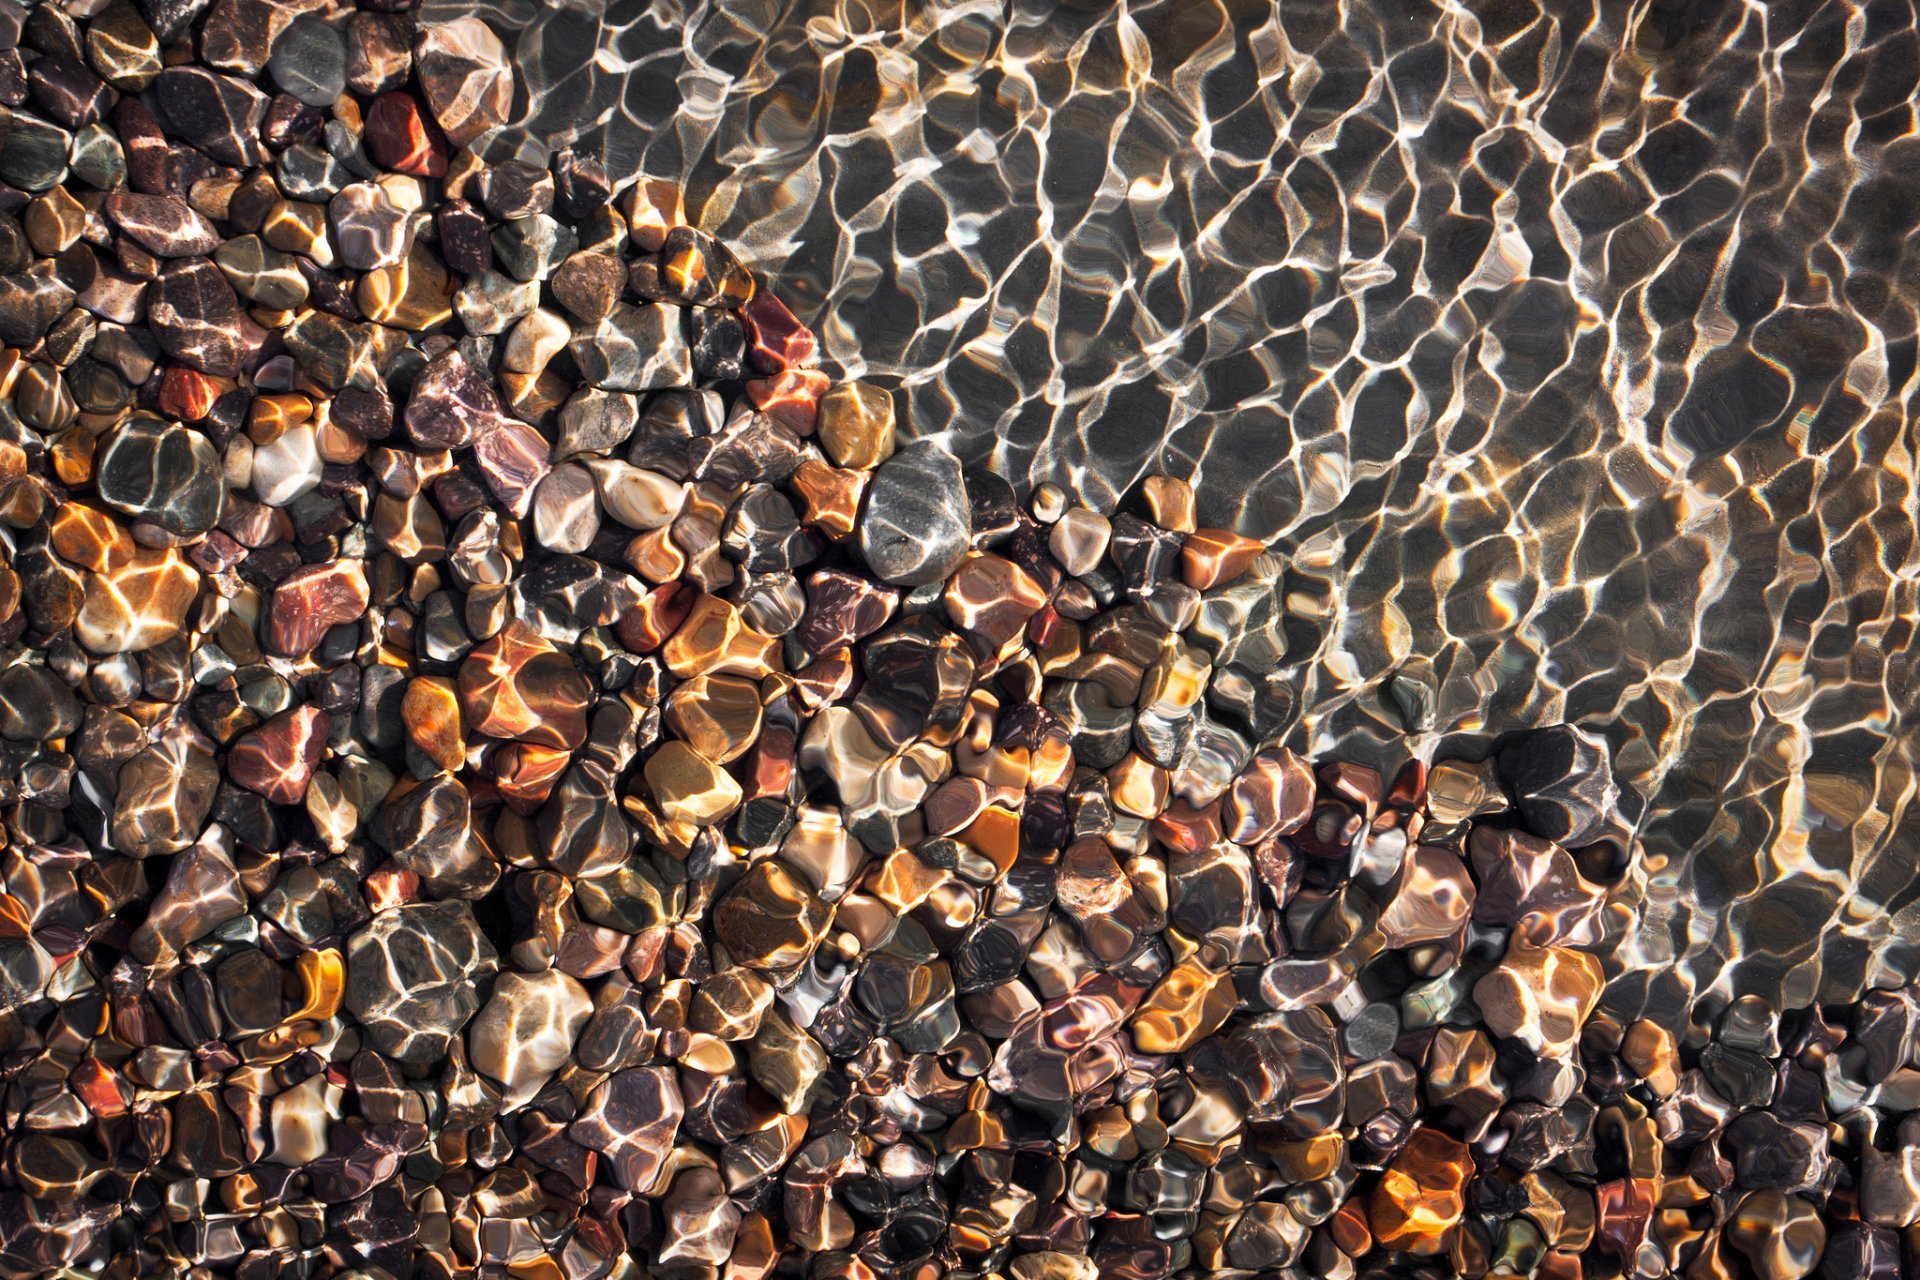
(1566, 351)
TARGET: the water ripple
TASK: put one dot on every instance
(1565, 350)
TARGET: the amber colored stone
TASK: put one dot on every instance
(525, 773)
(86, 536)
(855, 423)
(323, 983)
(430, 709)
(415, 293)
(1169, 502)
(830, 497)
(1541, 996)
(187, 394)
(993, 598)
(660, 612)
(1214, 557)
(1350, 1230)
(517, 686)
(278, 759)
(718, 716)
(791, 397)
(653, 207)
(769, 919)
(1422, 1195)
(137, 605)
(312, 599)
(691, 790)
(1187, 1005)
(715, 638)
(269, 417)
(1139, 787)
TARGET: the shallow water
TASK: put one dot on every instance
(1563, 349)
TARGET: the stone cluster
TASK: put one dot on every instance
(509, 769)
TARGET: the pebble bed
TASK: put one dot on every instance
(511, 770)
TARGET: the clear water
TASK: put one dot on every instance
(1565, 350)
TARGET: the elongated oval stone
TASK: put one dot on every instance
(915, 528)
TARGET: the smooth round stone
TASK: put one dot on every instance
(122, 48)
(221, 115)
(163, 472)
(35, 155)
(413, 978)
(263, 276)
(288, 467)
(35, 706)
(309, 61)
(856, 425)
(165, 226)
(914, 529)
(527, 1030)
(98, 158)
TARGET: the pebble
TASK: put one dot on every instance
(196, 317)
(855, 425)
(413, 978)
(526, 1030)
(164, 473)
(401, 136)
(465, 75)
(277, 760)
(219, 114)
(588, 285)
(452, 405)
(309, 61)
(914, 526)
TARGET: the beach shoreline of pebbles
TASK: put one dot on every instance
(511, 769)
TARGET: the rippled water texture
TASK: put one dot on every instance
(1568, 351)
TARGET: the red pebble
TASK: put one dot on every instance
(402, 137)
(791, 399)
(187, 394)
(778, 340)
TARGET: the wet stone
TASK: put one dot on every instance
(634, 348)
(309, 61)
(277, 760)
(769, 919)
(452, 405)
(527, 1029)
(517, 686)
(164, 473)
(531, 247)
(263, 276)
(464, 73)
(123, 49)
(856, 425)
(403, 137)
(165, 793)
(914, 528)
(35, 706)
(588, 285)
(221, 115)
(312, 599)
(197, 318)
(413, 978)
(631, 1119)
